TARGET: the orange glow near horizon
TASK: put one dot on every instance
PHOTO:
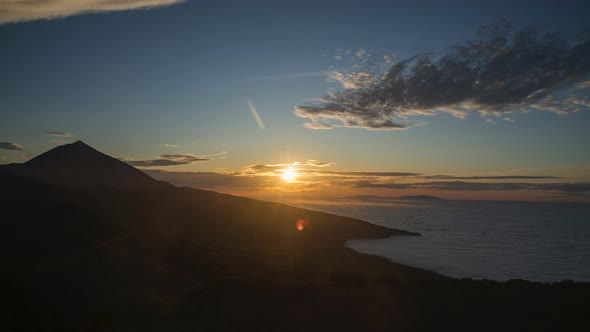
(289, 175)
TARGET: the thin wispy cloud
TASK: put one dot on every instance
(319, 179)
(274, 169)
(482, 177)
(10, 146)
(217, 155)
(171, 146)
(264, 177)
(313, 169)
(167, 160)
(59, 134)
(255, 115)
(25, 10)
(498, 73)
(176, 159)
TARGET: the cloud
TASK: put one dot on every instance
(498, 73)
(316, 168)
(10, 146)
(366, 174)
(167, 160)
(255, 115)
(270, 169)
(27, 10)
(565, 188)
(319, 125)
(499, 177)
(259, 178)
(313, 163)
(59, 134)
(231, 182)
(171, 145)
(256, 169)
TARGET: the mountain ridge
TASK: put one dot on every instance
(80, 165)
(169, 259)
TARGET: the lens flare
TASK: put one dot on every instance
(301, 224)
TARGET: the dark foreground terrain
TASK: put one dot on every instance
(134, 254)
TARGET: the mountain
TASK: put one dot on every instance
(88, 243)
(79, 165)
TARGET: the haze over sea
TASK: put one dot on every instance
(482, 239)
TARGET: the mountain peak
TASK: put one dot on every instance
(77, 152)
(79, 143)
(80, 165)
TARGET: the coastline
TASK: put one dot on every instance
(179, 258)
(472, 239)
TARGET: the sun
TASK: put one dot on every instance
(289, 175)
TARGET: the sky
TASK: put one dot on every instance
(331, 101)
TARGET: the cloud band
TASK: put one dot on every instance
(20, 11)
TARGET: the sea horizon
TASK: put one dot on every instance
(520, 244)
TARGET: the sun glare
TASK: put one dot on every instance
(289, 175)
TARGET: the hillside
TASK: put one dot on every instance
(142, 255)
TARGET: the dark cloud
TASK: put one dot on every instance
(568, 187)
(10, 146)
(317, 170)
(266, 169)
(366, 180)
(167, 160)
(59, 134)
(497, 73)
(262, 168)
(306, 171)
(500, 177)
(182, 156)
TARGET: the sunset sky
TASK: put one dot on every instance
(333, 101)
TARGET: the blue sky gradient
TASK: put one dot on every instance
(128, 82)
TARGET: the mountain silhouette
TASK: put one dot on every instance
(79, 165)
(89, 243)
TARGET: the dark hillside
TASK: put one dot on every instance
(80, 257)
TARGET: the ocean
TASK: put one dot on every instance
(481, 239)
